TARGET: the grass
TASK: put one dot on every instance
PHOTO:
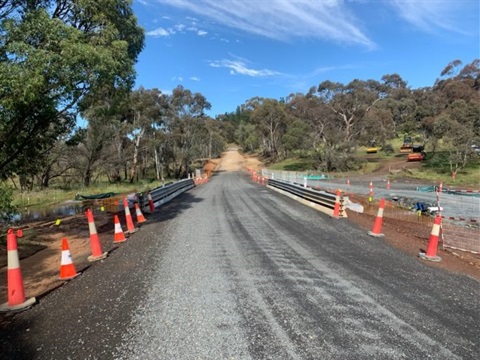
(436, 168)
(53, 196)
(293, 164)
(433, 170)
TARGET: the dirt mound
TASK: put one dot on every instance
(232, 160)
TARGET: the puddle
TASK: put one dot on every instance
(69, 208)
(46, 212)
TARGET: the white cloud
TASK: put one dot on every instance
(194, 78)
(177, 78)
(158, 32)
(180, 27)
(282, 19)
(429, 15)
(224, 40)
(201, 33)
(239, 67)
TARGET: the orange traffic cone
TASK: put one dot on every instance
(16, 290)
(431, 253)
(130, 227)
(371, 189)
(138, 212)
(336, 209)
(67, 268)
(377, 225)
(119, 236)
(150, 202)
(97, 253)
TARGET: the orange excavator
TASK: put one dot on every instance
(418, 153)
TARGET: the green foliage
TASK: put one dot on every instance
(247, 138)
(54, 59)
(7, 209)
(294, 164)
(295, 137)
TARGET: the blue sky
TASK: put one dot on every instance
(233, 50)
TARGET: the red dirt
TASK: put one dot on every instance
(406, 237)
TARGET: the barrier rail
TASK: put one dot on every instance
(163, 194)
(325, 200)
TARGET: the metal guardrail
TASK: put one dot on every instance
(163, 194)
(321, 198)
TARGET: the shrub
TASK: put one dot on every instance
(6, 208)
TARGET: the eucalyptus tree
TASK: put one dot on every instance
(313, 112)
(457, 125)
(187, 127)
(239, 128)
(401, 103)
(270, 119)
(350, 103)
(54, 57)
(145, 113)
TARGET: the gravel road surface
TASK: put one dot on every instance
(232, 270)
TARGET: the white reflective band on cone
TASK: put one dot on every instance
(13, 261)
(66, 257)
(92, 228)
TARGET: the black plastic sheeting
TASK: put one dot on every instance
(95, 197)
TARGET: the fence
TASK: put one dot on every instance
(460, 208)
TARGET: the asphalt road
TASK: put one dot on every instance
(232, 270)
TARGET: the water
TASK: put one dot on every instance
(52, 211)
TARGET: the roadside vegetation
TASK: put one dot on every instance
(70, 120)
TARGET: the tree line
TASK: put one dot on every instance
(329, 122)
(63, 61)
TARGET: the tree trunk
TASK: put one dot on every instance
(87, 176)
(46, 177)
(157, 164)
(136, 146)
(210, 147)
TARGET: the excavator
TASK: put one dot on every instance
(407, 146)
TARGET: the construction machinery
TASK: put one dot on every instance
(418, 153)
(372, 147)
(407, 146)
